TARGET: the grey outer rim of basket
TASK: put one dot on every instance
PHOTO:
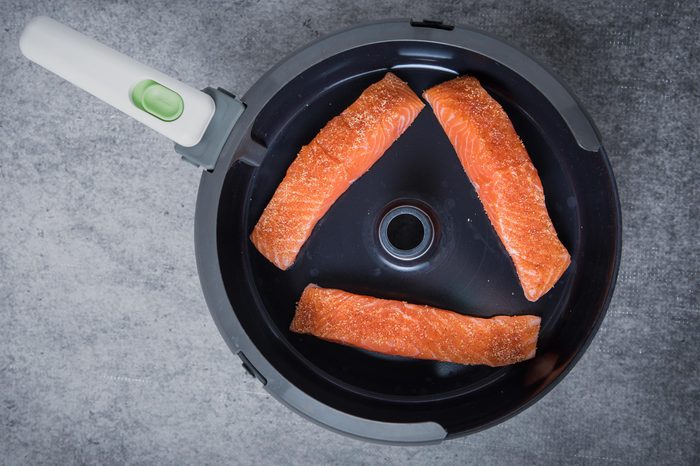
(212, 181)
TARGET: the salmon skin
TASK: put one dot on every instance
(500, 169)
(411, 330)
(324, 169)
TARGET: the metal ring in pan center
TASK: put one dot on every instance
(406, 232)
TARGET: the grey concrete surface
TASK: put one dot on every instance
(108, 354)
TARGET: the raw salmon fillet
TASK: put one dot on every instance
(499, 167)
(423, 332)
(339, 154)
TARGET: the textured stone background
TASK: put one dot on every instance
(107, 351)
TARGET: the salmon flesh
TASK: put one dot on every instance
(324, 169)
(415, 331)
(506, 181)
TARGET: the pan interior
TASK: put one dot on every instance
(466, 269)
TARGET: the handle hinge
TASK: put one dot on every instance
(205, 153)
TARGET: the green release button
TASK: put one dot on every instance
(158, 100)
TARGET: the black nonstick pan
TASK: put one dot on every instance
(411, 228)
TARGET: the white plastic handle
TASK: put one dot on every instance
(112, 76)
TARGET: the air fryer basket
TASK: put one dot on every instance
(466, 269)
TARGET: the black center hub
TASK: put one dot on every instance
(406, 232)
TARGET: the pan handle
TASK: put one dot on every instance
(174, 109)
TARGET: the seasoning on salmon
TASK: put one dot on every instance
(411, 330)
(324, 169)
(500, 169)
